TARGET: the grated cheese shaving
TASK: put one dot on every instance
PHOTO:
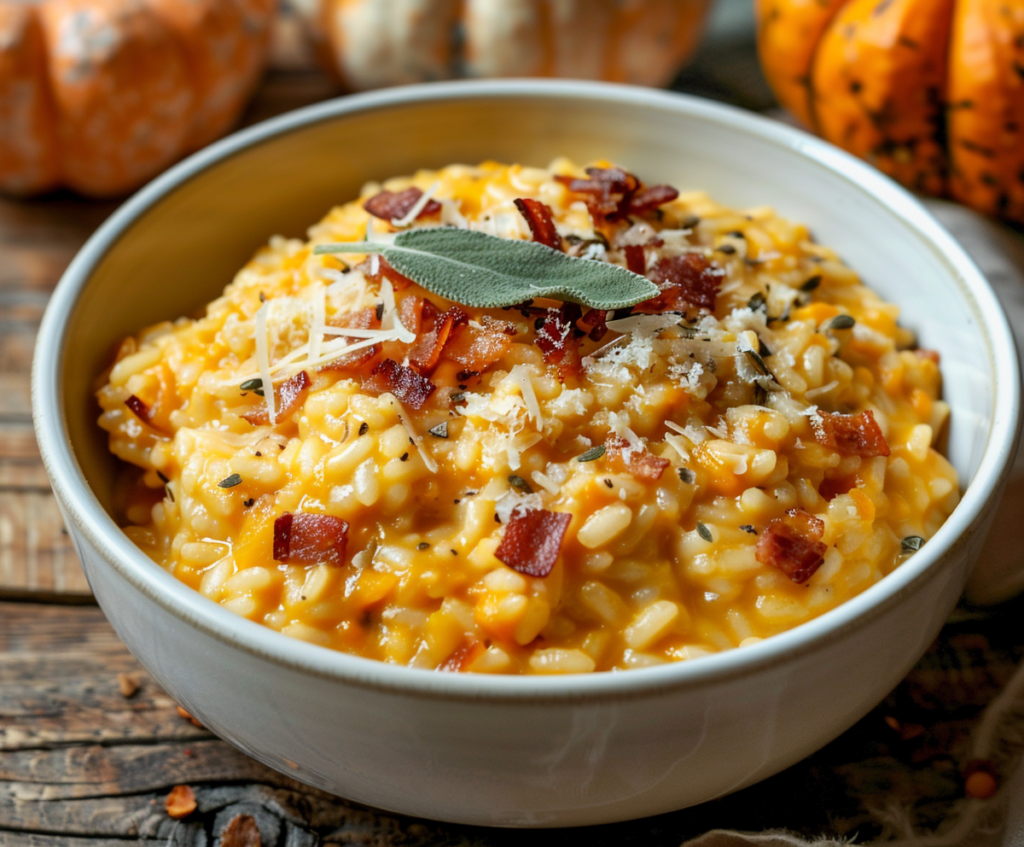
(520, 375)
(299, 358)
(390, 321)
(451, 216)
(589, 360)
(676, 443)
(512, 454)
(418, 207)
(417, 439)
(643, 324)
(544, 481)
(513, 502)
(263, 360)
(387, 294)
(316, 329)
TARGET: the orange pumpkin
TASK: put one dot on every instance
(376, 43)
(930, 91)
(100, 95)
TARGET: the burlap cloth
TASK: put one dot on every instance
(997, 733)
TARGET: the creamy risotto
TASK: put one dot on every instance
(340, 454)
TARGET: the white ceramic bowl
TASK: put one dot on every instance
(516, 751)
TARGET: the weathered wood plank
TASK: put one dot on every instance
(302, 814)
(95, 770)
(35, 551)
(17, 343)
(33, 839)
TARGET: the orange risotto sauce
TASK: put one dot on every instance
(542, 488)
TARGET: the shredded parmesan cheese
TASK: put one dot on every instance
(418, 207)
(676, 443)
(414, 436)
(316, 329)
(644, 324)
(544, 481)
(520, 375)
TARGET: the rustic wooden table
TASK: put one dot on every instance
(90, 745)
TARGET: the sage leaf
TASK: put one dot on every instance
(484, 271)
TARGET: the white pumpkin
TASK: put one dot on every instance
(377, 43)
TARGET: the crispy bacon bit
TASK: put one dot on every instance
(409, 387)
(594, 323)
(686, 280)
(181, 802)
(558, 340)
(613, 193)
(930, 355)
(289, 398)
(852, 435)
(793, 544)
(542, 223)
(636, 460)
(139, 407)
(426, 352)
(417, 314)
(649, 198)
(636, 261)
(241, 831)
(389, 206)
(462, 658)
(533, 539)
(607, 190)
(308, 539)
(831, 488)
(476, 349)
(361, 319)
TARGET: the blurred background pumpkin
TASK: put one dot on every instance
(930, 91)
(101, 95)
(376, 43)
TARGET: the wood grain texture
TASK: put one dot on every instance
(81, 765)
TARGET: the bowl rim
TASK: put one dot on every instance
(82, 509)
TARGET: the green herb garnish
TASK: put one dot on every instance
(842, 322)
(485, 271)
(704, 532)
(255, 385)
(911, 544)
(687, 476)
(811, 283)
(591, 454)
(520, 483)
(757, 363)
(439, 431)
(230, 481)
